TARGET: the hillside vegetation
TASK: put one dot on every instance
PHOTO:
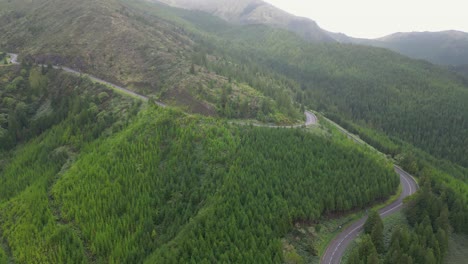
(148, 54)
(166, 185)
(446, 47)
(376, 89)
(272, 72)
(255, 12)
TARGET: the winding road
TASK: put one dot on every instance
(338, 245)
(311, 118)
(14, 60)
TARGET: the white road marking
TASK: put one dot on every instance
(339, 244)
(403, 175)
(409, 184)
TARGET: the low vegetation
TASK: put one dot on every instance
(3, 58)
(457, 253)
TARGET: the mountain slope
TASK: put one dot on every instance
(447, 47)
(255, 12)
(149, 54)
(370, 86)
(374, 87)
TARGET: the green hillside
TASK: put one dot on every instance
(413, 101)
(163, 185)
(248, 71)
(146, 53)
(373, 88)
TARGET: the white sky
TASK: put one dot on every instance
(377, 18)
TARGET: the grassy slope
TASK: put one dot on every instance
(457, 252)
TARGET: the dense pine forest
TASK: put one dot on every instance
(92, 186)
(425, 240)
(411, 110)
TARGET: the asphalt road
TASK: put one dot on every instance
(338, 246)
(13, 58)
(311, 119)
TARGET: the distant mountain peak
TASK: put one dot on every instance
(255, 12)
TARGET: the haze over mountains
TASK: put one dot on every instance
(255, 12)
(446, 47)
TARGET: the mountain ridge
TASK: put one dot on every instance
(448, 47)
(255, 12)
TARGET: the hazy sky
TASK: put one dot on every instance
(377, 18)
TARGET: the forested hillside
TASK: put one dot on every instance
(148, 54)
(93, 186)
(379, 90)
(445, 47)
(190, 57)
(47, 118)
(255, 12)
(425, 240)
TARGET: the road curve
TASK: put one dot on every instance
(13, 58)
(311, 119)
(338, 245)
